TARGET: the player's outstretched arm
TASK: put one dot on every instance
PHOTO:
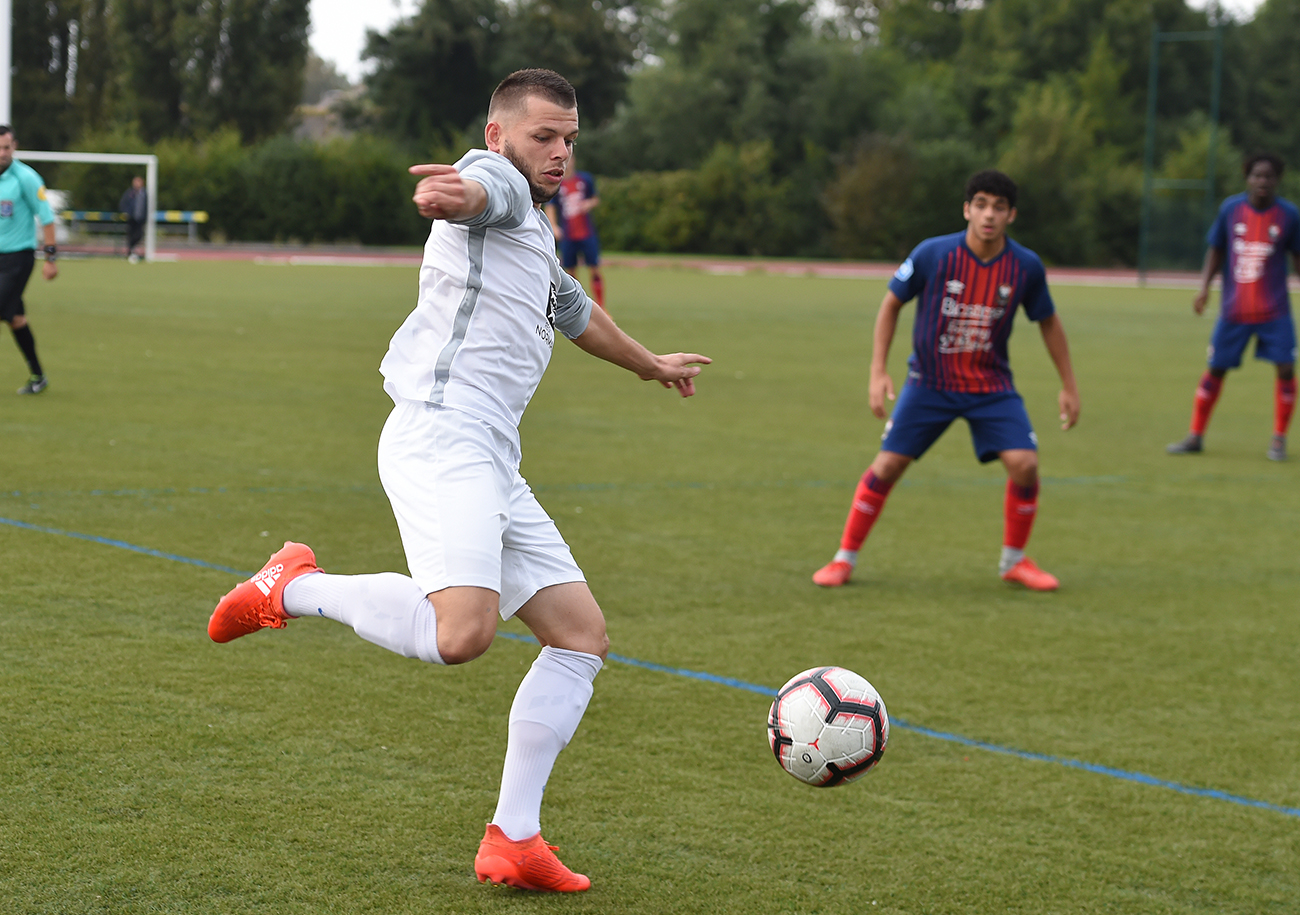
(443, 194)
(881, 387)
(604, 338)
(1213, 261)
(1059, 349)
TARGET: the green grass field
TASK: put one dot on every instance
(212, 411)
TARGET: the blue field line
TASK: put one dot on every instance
(123, 545)
(895, 722)
(767, 691)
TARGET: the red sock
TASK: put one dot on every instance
(1019, 511)
(868, 500)
(1207, 394)
(1283, 405)
(598, 288)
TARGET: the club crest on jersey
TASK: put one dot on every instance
(1004, 295)
(1274, 232)
(955, 287)
(6, 209)
(1239, 228)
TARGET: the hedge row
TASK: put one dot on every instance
(876, 203)
(346, 190)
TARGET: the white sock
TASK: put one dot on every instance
(849, 556)
(543, 719)
(1010, 556)
(388, 609)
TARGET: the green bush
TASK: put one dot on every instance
(346, 190)
(732, 204)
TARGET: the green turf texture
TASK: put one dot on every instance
(214, 410)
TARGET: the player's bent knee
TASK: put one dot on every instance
(1022, 466)
(467, 622)
(463, 643)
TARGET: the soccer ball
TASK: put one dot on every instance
(827, 726)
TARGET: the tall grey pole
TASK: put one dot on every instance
(1149, 159)
(6, 57)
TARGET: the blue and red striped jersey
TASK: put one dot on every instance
(964, 311)
(1255, 244)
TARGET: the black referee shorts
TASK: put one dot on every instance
(15, 271)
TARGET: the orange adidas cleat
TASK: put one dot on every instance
(1031, 576)
(833, 574)
(259, 602)
(527, 865)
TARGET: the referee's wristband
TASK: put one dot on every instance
(51, 253)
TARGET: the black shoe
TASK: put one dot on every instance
(1190, 445)
(35, 385)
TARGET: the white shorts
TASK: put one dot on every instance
(465, 515)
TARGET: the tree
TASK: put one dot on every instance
(590, 42)
(1265, 118)
(435, 71)
(45, 60)
(735, 71)
(245, 64)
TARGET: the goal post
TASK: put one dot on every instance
(150, 162)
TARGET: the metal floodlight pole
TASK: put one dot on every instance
(1215, 93)
(6, 58)
(1149, 182)
(1149, 158)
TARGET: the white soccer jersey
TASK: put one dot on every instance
(492, 295)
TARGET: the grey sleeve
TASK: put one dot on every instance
(572, 307)
(509, 200)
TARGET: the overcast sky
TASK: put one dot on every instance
(338, 27)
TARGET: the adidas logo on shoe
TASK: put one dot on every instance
(266, 579)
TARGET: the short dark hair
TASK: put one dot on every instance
(6, 130)
(521, 84)
(991, 181)
(1270, 158)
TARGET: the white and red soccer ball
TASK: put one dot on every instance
(827, 726)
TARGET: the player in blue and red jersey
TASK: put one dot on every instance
(968, 287)
(1250, 240)
(571, 219)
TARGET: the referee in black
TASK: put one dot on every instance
(22, 204)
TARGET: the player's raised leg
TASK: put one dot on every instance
(545, 715)
(868, 501)
(1020, 508)
(386, 609)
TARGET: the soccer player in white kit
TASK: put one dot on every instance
(461, 370)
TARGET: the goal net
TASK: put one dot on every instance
(150, 162)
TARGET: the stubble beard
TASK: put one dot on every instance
(539, 194)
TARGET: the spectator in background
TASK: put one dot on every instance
(135, 204)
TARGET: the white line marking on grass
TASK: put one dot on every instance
(325, 260)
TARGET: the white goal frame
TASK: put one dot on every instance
(150, 162)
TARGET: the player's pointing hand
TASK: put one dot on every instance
(677, 370)
(443, 194)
